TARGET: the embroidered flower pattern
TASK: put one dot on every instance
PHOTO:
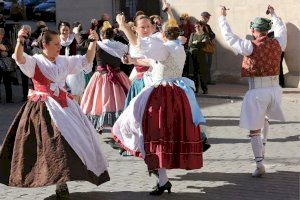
(264, 60)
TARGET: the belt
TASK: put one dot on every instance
(263, 82)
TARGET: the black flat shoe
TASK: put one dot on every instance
(205, 145)
(160, 190)
(62, 191)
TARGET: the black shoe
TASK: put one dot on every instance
(155, 172)
(205, 92)
(9, 101)
(205, 145)
(160, 190)
(62, 191)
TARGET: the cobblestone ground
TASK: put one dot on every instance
(227, 165)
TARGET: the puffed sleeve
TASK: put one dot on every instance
(78, 63)
(153, 48)
(29, 66)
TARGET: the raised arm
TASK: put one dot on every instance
(168, 8)
(240, 46)
(19, 49)
(280, 32)
(91, 51)
(123, 26)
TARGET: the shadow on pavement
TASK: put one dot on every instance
(225, 121)
(279, 185)
(213, 140)
(238, 186)
(127, 195)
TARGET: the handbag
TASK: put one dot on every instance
(6, 64)
(209, 47)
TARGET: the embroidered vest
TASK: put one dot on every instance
(140, 71)
(42, 89)
(264, 60)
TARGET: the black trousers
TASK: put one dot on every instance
(199, 72)
(186, 68)
(7, 84)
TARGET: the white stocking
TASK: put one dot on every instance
(162, 176)
(257, 146)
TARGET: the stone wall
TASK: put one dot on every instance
(226, 66)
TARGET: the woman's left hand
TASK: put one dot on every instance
(94, 36)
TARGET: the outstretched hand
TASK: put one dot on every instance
(271, 9)
(93, 36)
(22, 34)
(120, 18)
(223, 11)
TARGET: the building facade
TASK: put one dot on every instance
(226, 65)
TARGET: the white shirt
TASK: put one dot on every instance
(244, 46)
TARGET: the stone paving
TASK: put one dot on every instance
(227, 165)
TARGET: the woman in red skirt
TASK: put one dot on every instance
(162, 123)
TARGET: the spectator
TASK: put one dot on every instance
(205, 18)
(16, 11)
(2, 21)
(196, 44)
(187, 29)
(104, 17)
(6, 65)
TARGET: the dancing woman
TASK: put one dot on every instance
(50, 140)
(104, 97)
(161, 124)
(75, 82)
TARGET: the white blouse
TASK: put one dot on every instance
(55, 71)
(167, 59)
(244, 46)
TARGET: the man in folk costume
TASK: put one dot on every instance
(261, 66)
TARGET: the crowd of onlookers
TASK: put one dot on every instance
(199, 48)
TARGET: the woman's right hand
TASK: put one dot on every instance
(22, 34)
(120, 18)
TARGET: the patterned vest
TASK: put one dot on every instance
(264, 60)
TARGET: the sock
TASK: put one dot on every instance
(257, 146)
(162, 176)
